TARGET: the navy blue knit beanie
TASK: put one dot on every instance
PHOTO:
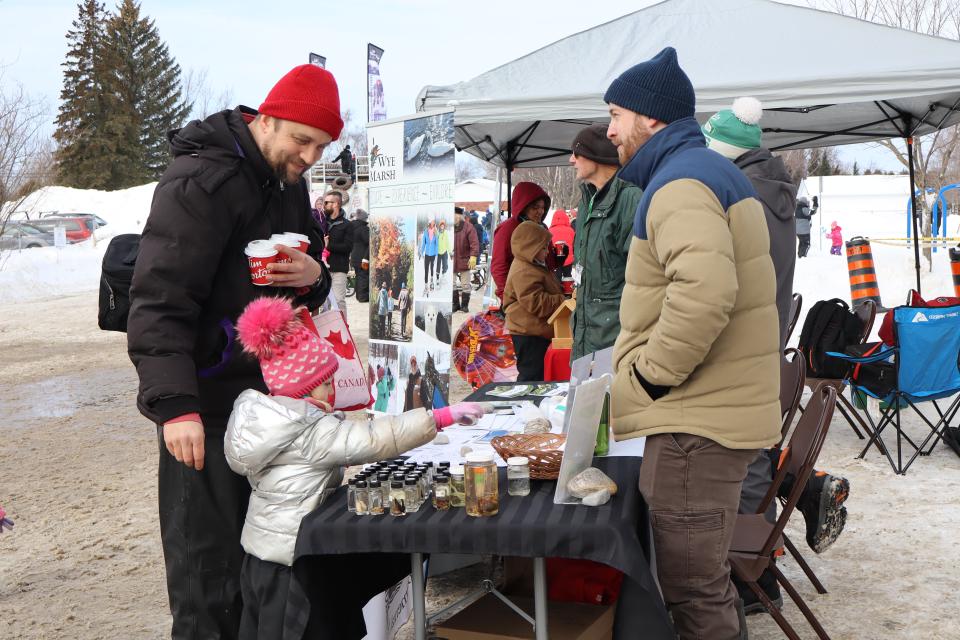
(657, 88)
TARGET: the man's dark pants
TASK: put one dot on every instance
(201, 517)
(362, 284)
(804, 247)
(692, 487)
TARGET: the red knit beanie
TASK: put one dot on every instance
(308, 94)
(293, 359)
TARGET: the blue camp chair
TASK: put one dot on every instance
(926, 358)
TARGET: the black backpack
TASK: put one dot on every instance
(115, 279)
(830, 326)
(879, 377)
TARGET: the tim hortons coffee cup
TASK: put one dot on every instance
(567, 284)
(287, 241)
(301, 238)
(260, 253)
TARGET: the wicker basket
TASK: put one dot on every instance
(541, 449)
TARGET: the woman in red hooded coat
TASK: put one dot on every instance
(533, 203)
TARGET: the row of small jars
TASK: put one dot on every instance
(399, 488)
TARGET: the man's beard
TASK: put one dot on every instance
(629, 146)
(281, 166)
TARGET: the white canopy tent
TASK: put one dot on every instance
(823, 78)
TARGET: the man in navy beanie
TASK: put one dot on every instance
(697, 365)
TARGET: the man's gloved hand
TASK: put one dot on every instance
(473, 262)
(465, 413)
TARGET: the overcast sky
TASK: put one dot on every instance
(245, 46)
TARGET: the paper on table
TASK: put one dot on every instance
(477, 437)
(627, 448)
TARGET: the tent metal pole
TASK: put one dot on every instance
(509, 170)
(915, 213)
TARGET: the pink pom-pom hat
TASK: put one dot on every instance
(293, 359)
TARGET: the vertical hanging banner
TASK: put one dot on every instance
(410, 202)
(376, 107)
(319, 60)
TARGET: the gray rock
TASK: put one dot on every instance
(597, 498)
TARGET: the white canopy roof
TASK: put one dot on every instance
(823, 78)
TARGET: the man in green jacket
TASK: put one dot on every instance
(607, 207)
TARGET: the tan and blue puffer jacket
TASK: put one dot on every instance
(698, 350)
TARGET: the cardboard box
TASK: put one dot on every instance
(490, 619)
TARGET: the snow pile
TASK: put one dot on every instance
(48, 272)
(125, 211)
(34, 274)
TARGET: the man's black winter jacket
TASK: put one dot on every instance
(192, 278)
(340, 236)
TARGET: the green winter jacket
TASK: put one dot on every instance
(600, 248)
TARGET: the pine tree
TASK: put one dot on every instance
(856, 168)
(146, 80)
(83, 154)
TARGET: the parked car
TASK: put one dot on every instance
(19, 235)
(99, 222)
(78, 229)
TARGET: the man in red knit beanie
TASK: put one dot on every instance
(236, 177)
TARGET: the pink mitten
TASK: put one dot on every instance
(465, 413)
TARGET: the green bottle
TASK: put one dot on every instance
(603, 432)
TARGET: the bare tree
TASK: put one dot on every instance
(932, 153)
(354, 134)
(796, 163)
(469, 166)
(559, 182)
(203, 98)
(25, 150)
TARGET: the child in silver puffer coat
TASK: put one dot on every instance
(293, 448)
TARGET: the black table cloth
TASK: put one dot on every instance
(614, 534)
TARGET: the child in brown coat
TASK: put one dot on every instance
(530, 297)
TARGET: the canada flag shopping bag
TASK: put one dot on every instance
(350, 380)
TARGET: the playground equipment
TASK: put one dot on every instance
(938, 213)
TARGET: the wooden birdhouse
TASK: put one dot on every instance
(562, 338)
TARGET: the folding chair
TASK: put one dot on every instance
(754, 539)
(792, 377)
(867, 312)
(796, 304)
(792, 370)
(926, 358)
